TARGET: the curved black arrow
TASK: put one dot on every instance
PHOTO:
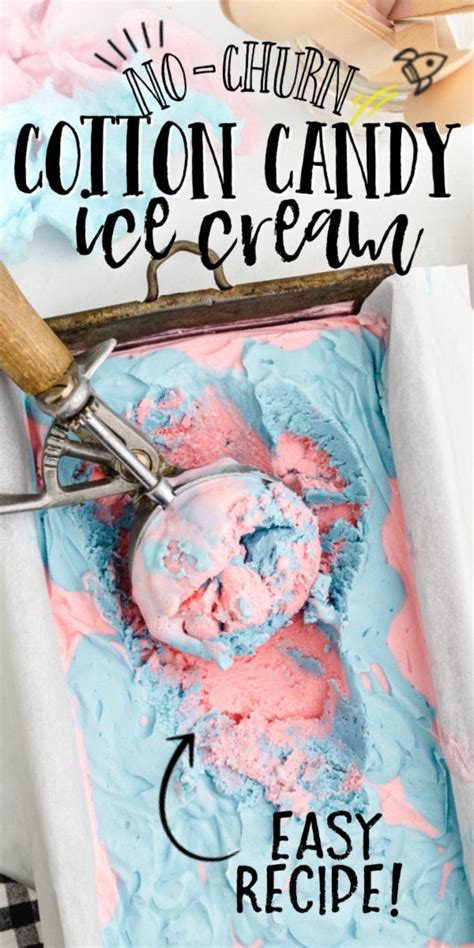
(186, 741)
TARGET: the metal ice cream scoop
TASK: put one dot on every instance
(85, 428)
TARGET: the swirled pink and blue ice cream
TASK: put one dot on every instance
(333, 710)
(230, 561)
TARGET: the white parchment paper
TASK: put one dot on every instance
(430, 421)
(43, 808)
(42, 795)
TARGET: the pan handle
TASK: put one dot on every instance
(189, 247)
(30, 352)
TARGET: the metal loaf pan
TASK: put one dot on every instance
(249, 305)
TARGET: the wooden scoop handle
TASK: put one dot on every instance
(30, 352)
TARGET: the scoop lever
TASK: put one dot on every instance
(132, 462)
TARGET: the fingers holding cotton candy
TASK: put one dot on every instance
(227, 565)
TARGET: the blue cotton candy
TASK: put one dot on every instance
(21, 214)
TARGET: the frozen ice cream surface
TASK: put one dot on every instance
(229, 562)
(329, 709)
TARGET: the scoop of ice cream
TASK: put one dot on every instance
(228, 563)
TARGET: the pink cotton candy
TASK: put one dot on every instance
(30, 55)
